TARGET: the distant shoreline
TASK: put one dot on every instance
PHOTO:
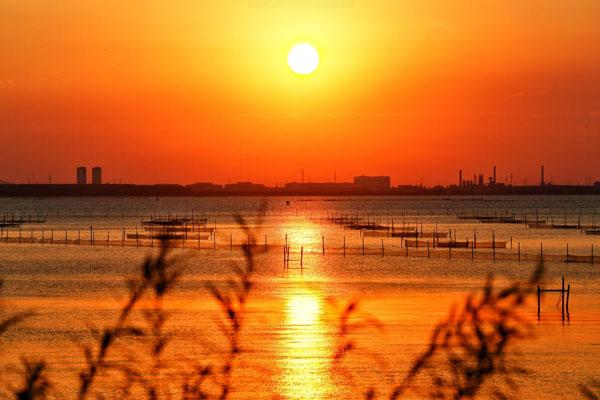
(172, 190)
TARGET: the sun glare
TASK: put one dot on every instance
(303, 58)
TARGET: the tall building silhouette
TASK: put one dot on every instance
(542, 181)
(96, 176)
(81, 175)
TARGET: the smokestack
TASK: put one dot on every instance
(494, 180)
(542, 182)
(460, 179)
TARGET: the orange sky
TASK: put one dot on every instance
(186, 91)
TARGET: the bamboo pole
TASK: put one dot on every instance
(539, 307)
(494, 245)
(568, 296)
(562, 298)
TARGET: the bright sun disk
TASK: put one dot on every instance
(303, 58)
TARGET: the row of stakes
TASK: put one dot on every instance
(287, 248)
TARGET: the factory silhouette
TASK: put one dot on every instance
(361, 185)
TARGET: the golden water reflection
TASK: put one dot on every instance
(302, 233)
(305, 346)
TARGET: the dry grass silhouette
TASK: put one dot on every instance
(469, 348)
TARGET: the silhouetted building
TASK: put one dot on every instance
(81, 175)
(245, 187)
(372, 182)
(204, 187)
(319, 186)
(97, 176)
(542, 181)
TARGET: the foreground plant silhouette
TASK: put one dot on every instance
(35, 384)
(158, 276)
(471, 347)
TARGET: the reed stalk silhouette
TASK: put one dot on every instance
(35, 383)
(591, 390)
(156, 276)
(470, 346)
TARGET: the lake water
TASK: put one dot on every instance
(290, 331)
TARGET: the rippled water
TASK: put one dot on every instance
(290, 332)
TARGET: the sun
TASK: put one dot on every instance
(303, 58)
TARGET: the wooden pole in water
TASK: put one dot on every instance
(91, 235)
(562, 298)
(472, 249)
(494, 245)
(428, 254)
(301, 256)
(323, 243)
(230, 242)
(108, 238)
(381, 247)
(568, 295)
(538, 302)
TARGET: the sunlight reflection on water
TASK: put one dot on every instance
(305, 346)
